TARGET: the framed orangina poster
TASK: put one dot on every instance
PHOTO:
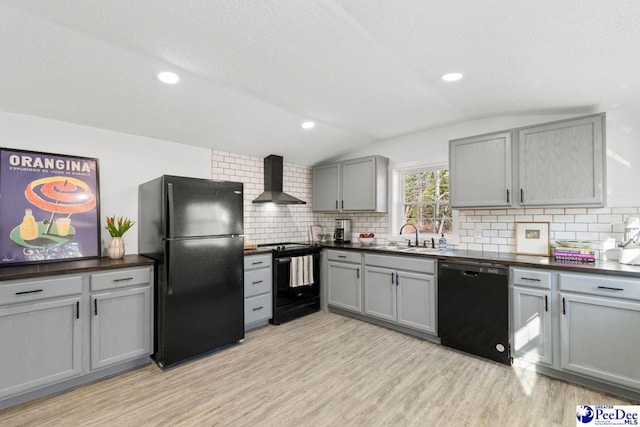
(49, 207)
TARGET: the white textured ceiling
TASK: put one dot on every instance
(364, 70)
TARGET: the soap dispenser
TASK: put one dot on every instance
(442, 243)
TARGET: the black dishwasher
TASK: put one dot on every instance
(473, 308)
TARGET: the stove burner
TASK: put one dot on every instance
(289, 246)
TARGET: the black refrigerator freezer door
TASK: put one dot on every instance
(202, 207)
(203, 297)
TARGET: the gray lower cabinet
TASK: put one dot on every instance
(41, 344)
(120, 326)
(401, 290)
(531, 318)
(599, 327)
(258, 292)
(65, 329)
(344, 280)
(120, 316)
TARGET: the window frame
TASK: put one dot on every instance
(396, 217)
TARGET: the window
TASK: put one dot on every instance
(423, 199)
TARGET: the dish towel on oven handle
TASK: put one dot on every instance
(301, 273)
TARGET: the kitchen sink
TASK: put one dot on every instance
(420, 250)
(387, 248)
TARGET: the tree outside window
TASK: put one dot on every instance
(426, 201)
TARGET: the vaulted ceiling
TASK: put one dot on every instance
(363, 70)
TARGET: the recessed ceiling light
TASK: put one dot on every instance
(308, 125)
(168, 77)
(451, 77)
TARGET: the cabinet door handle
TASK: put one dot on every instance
(397, 279)
(507, 195)
(521, 195)
(257, 263)
(564, 310)
(343, 204)
(336, 205)
(95, 306)
(126, 279)
(610, 289)
(342, 256)
(358, 273)
(531, 279)
(392, 279)
(256, 282)
(546, 303)
(35, 291)
(258, 308)
(77, 309)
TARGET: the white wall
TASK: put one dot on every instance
(124, 160)
(431, 147)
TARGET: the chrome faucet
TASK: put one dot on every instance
(415, 228)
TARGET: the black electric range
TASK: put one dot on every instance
(296, 280)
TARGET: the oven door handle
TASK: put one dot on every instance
(283, 260)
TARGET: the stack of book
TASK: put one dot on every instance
(574, 253)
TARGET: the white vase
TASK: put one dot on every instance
(115, 250)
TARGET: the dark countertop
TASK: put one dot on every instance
(70, 267)
(259, 251)
(600, 266)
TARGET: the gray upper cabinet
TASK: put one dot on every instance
(552, 164)
(480, 171)
(326, 188)
(563, 163)
(351, 185)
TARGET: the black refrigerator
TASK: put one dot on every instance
(193, 228)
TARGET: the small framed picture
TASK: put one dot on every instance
(314, 233)
(532, 238)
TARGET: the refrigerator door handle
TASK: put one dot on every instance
(170, 205)
(168, 270)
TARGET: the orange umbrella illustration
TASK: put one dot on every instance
(59, 194)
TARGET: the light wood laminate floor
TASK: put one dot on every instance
(320, 370)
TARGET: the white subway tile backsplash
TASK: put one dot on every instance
(600, 227)
(610, 218)
(543, 218)
(563, 218)
(586, 218)
(575, 211)
(524, 218)
(576, 227)
(554, 211)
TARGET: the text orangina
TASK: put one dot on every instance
(26, 161)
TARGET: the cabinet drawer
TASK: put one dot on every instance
(402, 263)
(34, 290)
(120, 278)
(595, 284)
(344, 256)
(257, 261)
(532, 278)
(257, 308)
(257, 282)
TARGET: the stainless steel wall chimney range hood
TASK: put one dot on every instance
(273, 184)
